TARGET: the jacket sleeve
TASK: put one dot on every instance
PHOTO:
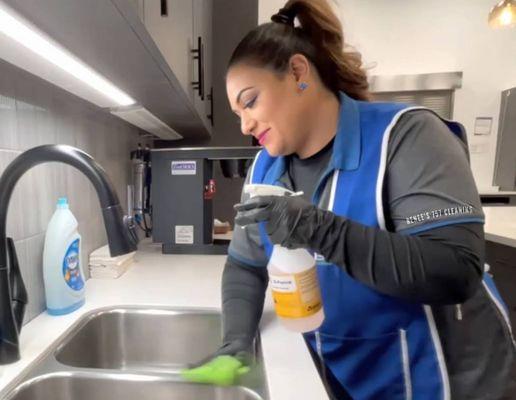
(243, 294)
(244, 282)
(433, 248)
(439, 266)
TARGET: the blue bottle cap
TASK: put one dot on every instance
(62, 202)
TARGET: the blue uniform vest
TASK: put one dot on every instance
(377, 346)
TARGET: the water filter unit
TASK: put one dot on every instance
(62, 270)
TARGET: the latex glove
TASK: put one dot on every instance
(222, 370)
(291, 221)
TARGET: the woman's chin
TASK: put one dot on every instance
(274, 151)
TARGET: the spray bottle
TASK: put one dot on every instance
(292, 277)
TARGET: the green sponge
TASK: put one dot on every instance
(222, 371)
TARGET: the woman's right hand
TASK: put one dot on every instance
(224, 367)
(221, 371)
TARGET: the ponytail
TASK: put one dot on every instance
(318, 37)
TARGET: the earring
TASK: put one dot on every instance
(303, 86)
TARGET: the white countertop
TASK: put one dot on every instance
(178, 281)
(500, 225)
(495, 192)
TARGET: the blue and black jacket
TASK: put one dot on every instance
(378, 346)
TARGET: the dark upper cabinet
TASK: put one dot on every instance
(182, 31)
(124, 41)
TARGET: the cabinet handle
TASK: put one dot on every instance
(199, 56)
(210, 98)
(164, 8)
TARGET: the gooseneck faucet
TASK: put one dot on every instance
(13, 296)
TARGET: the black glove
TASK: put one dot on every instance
(290, 221)
(239, 348)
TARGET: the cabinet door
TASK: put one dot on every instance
(170, 23)
(138, 6)
(502, 260)
(202, 28)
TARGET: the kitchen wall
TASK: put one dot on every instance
(410, 37)
(34, 112)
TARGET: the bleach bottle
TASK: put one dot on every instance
(62, 271)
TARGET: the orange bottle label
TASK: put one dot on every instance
(296, 295)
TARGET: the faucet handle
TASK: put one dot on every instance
(121, 237)
(131, 228)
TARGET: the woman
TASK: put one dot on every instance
(390, 207)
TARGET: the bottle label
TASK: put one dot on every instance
(296, 295)
(71, 270)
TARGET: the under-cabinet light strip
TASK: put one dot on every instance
(13, 27)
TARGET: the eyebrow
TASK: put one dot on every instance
(241, 92)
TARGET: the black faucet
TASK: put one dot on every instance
(13, 296)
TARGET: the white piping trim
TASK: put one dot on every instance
(383, 164)
(318, 345)
(439, 352)
(499, 306)
(334, 182)
(406, 364)
(252, 166)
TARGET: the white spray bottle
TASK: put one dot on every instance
(293, 278)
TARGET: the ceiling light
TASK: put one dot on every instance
(503, 14)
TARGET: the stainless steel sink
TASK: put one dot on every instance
(84, 386)
(128, 338)
(133, 353)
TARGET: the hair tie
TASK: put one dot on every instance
(284, 16)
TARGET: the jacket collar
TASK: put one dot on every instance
(346, 147)
(347, 144)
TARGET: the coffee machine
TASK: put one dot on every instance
(182, 191)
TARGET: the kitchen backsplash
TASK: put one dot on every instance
(34, 112)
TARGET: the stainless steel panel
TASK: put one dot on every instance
(415, 82)
(505, 164)
(439, 101)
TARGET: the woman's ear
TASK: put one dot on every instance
(299, 67)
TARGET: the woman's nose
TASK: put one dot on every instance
(247, 125)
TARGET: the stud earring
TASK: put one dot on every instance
(303, 86)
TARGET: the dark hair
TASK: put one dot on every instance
(318, 37)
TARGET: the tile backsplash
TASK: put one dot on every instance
(34, 112)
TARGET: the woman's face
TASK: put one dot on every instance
(271, 108)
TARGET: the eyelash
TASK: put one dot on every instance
(251, 103)
(248, 105)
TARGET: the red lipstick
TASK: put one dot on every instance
(262, 136)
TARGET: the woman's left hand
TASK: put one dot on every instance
(290, 220)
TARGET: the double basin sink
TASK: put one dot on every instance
(134, 353)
